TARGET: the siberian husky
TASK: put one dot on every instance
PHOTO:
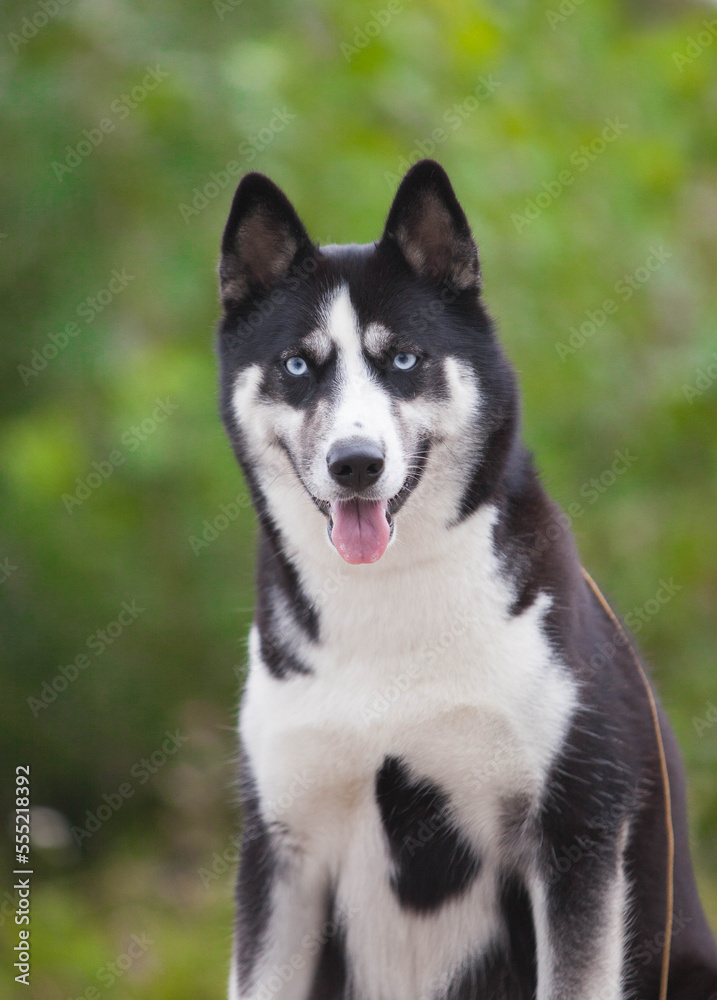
(451, 777)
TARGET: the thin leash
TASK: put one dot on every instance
(669, 904)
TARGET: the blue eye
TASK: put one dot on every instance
(404, 361)
(296, 366)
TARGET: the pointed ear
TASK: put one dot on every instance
(262, 238)
(431, 230)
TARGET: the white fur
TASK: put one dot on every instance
(376, 338)
(482, 689)
(362, 408)
(420, 658)
(604, 981)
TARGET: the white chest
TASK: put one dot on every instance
(438, 674)
(430, 668)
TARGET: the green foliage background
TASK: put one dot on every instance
(354, 105)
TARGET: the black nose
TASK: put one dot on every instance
(356, 464)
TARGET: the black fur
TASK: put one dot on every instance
(331, 979)
(505, 973)
(256, 876)
(422, 280)
(432, 861)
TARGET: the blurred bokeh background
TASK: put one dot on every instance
(582, 141)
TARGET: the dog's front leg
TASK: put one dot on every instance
(579, 915)
(282, 914)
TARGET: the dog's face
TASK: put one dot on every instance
(347, 369)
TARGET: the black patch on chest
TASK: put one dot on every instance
(432, 860)
(508, 971)
(331, 977)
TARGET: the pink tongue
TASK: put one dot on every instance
(360, 530)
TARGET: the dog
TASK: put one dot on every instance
(451, 777)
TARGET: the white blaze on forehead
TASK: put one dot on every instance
(357, 398)
(340, 330)
(343, 327)
(363, 406)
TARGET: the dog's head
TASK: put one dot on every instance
(365, 380)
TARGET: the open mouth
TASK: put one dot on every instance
(360, 530)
